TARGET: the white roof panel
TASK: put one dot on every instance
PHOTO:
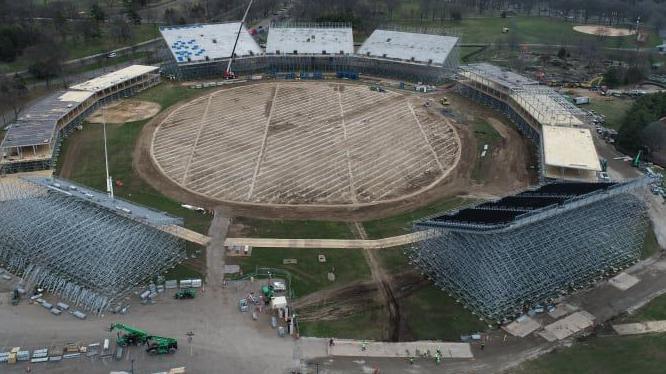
(569, 147)
(75, 96)
(545, 109)
(111, 79)
(310, 40)
(407, 46)
(196, 42)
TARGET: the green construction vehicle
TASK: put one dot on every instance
(188, 293)
(268, 293)
(160, 345)
(637, 160)
(132, 335)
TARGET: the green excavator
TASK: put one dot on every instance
(134, 336)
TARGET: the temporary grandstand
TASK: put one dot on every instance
(191, 43)
(310, 50)
(439, 50)
(306, 38)
(503, 257)
(33, 141)
(555, 125)
(67, 240)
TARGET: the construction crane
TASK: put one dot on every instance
(228, 74)
(134, 336)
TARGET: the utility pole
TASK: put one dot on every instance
(109, 180)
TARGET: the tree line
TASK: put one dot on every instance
(640, 126)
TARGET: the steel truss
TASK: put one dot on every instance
(500, 274)
(81, 251)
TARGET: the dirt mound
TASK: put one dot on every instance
(336, 303)
(604, 30)
(126, 111)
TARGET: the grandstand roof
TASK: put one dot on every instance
(511, 208)
(497, 75)
(569, 147)
(409, 46)
(111, 79)
(310, 40)
(37, 125)
(191, 43)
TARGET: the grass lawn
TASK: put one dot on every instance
(264, 228)
(434, 315)
(362, 325)
(655, 310)
(309, 275)
(485, 135)
(617, 354)
(524, 29)
(402, 223)
(613, 108)
(650, 245)
(393, 260)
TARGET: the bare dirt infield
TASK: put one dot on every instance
(124, 111)
(604, 30)
(513, 157)
(298, 143)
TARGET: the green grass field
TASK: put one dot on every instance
(433, 315)
(524, 29)
(284, 229)
(485, 134)
(650, 245)
(608, 355)
(402, 223)
(655, 310)
(613, 108)
(309, 275)
(89, 168)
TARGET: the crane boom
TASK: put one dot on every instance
(227, 73)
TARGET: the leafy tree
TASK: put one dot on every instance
(643, 112)
(46, 59)
(97, 13)
(613, 77)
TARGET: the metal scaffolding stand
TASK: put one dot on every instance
(77, 249)
(502, 258)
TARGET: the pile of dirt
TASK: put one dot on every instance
(604, 30)
(124, 111)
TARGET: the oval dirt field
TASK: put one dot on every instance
(303, 143)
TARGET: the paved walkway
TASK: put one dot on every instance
(640, 328)
(358, 348)
(393, 241)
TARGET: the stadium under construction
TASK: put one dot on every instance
(308, 51)
(503, 257)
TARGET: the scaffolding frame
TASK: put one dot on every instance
(79, 250)
(502, 272)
